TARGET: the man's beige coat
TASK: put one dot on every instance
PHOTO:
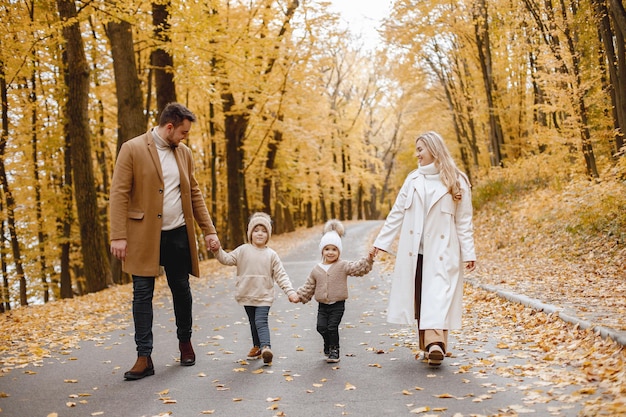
(136, 204)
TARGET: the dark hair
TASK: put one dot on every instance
(176, 114)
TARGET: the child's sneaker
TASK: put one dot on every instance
(333, 355)
(255, 353)
(326, 350)
(267, 355)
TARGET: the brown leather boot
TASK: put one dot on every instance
(187, 355)
(142, 368)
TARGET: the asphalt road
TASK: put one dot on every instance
(377, 376)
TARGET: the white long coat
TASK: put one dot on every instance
(448, 242)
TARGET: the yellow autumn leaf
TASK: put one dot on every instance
(349, 387)
(272, 399)
(446, 395)
(406, 392)
(207, 412)
(420, 410)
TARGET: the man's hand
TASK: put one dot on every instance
(118, 248)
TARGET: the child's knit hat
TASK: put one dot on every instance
(333, 232)
(260, 218)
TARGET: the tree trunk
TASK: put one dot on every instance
(585, 134)
(66, 220)
(235, 124)
(41, 236)
(270, 163)
(94, 251)
(161, 60)
(5, 294)
(8, 196)
(130, 118)
(481, 27)
(618, 17)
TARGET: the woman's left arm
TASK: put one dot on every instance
(464, 222)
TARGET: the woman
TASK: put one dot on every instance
(433, 213)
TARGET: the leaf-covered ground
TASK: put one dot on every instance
(544, 245)
(527, 246)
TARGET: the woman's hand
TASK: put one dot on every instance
(470, 266)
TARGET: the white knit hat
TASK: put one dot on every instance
(333, 231)
(260, 218)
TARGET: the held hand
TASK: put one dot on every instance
(373, 252)
(118, 248)
(470, 266)
(212, 242)
(294, 298)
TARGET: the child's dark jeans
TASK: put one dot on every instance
(328, 318)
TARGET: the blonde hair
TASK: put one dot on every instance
(443, 162)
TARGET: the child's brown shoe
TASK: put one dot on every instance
(267, 355)
(255, 353)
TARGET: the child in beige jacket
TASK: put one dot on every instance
(328, 282)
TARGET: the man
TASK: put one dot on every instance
(154, 201)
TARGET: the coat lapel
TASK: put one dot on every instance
(154, 154)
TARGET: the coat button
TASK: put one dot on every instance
(411, 232)
(442, 236)
(160, 190)
(159, 215)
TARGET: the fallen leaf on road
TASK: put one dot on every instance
(349, 387)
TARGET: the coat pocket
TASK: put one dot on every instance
(135, 215)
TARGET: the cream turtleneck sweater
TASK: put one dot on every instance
(431, 177)
(173, 216)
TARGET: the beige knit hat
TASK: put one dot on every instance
(333, 232)
(260, 218)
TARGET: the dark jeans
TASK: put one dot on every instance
(258, 318)
(328, 318)
(176, 260)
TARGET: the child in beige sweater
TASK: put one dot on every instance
(328, 282)
(258, 269)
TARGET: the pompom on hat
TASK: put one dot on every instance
(333, 232)
(260, 218)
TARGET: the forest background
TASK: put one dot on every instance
(297, 118)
